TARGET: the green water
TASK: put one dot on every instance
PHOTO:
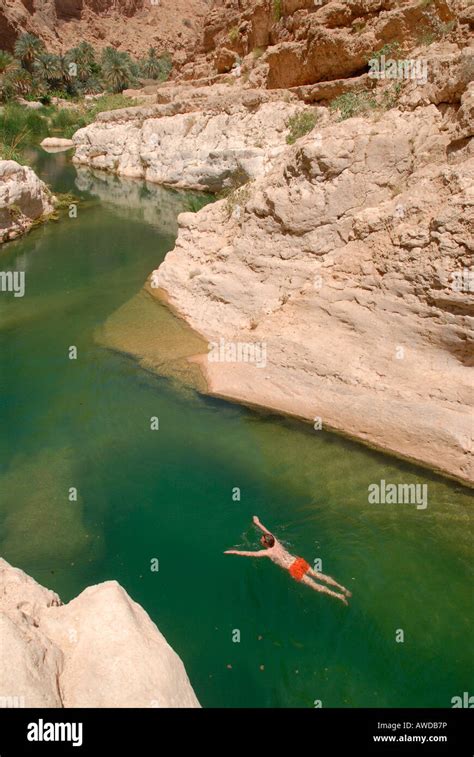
(167, 494)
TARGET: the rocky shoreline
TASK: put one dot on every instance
(360, 305)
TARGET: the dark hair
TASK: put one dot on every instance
(269, 540)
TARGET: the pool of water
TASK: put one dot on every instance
(167, 494)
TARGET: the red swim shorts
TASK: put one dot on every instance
(298, 568)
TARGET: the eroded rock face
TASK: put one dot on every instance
(201, 148)
(300, 42)
(24, 198)
(351, 261)
(99, 650)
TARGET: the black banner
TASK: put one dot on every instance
(364, 731)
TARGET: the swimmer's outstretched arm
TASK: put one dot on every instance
(259, 553)
(256, 520)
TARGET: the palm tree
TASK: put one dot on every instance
(83, 56)
(19, 81)
(27, 49)
(6, 61)
(91, 86)
(166, 64)
(48, 68)
(116, 69)
(151, 66)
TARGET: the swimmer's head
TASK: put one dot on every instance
(267, 541)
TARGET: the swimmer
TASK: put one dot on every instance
(297, 567)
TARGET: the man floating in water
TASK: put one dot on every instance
(298, 568)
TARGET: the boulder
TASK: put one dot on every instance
(99, 650)
(56, 144)
(24, 198)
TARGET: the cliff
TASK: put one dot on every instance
(131, 25)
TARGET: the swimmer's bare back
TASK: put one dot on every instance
(298, 568)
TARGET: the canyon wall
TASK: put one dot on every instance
(131, 25)
(288, 43)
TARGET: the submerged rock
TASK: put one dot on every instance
(99, 650)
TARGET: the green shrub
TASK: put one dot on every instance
(353, 104)
(65, 199)
(108, 102)
(390, 50)
(237, 191)
(66, 121)
(277, 12)
(8, 152)
(17, 120)
(390, 96)
(299, 125)
(238, 198)
(233, 34)
(435, 28)
(426, 39)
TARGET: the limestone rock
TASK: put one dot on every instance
(201, 149)
(99, 650)
(305, 42)
(23, 199)
(225, 59)
(56, 144)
